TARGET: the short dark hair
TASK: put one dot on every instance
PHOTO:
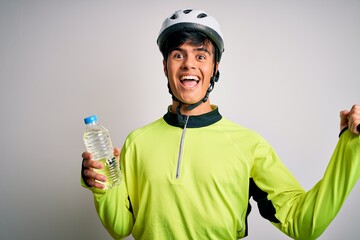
(178, 38)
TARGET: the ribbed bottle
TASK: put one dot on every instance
(98, 142)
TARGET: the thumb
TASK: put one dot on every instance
(344, 122)
(117, 152)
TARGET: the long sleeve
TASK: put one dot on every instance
(306, 215)
(114, 209)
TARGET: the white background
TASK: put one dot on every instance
(288, 69)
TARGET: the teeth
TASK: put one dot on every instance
(189, 78)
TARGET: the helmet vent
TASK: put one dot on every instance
(201, 15)
(187, 11)
(174, 16)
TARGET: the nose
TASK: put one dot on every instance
(189, 63)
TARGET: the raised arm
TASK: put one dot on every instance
(306, 215)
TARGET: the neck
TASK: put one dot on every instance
(203, 108)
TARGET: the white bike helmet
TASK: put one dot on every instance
(192, 19)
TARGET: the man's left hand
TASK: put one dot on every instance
(351, 119)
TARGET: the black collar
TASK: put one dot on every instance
(193, 121)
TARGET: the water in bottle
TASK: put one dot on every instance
(98, 143)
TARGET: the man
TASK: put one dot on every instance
(190, 174)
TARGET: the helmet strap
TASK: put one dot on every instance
(213, 80)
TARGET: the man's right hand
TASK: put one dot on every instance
(90, 177)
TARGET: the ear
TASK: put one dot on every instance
(216, 67)
(216, 74)
(165, 68)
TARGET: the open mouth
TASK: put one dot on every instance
(189, 81)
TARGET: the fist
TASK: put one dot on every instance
(351, 119)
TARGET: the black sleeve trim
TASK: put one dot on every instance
(266, 208)
(343, 130)
(246, 221)
(130, 206)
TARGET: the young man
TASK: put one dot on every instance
(190, 174)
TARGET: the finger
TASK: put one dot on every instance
(354, 119)
(95, 184)
(355, 127)
(344, 122)
(99, 185)
(355, 108)
(86, 155)
(344, 114)
(117, 153)
(92, 175)
(87, 163)
(354, 123)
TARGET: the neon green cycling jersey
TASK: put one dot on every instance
(192, 177)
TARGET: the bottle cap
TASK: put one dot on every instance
(90, 119)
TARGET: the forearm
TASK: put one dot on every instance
(113, 208)
(310, 213)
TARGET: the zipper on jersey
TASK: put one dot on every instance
(181, 148)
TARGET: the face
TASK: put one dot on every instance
(189, 69)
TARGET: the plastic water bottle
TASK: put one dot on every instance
(97, 141)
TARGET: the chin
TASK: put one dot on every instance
(190, 101)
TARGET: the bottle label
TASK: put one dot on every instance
(111, 161)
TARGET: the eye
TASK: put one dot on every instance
(201, 57)
(177, 55)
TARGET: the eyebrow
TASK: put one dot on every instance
(203, 49)
(199, 49)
